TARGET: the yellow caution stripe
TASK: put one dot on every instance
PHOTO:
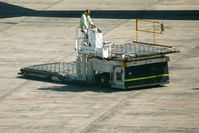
(148, 77)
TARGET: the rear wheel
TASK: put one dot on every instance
(104, 80)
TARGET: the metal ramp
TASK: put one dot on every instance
(63, 68)
(59, 71)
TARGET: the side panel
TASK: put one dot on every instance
(118, 78)
(102, 65)
(148, 74)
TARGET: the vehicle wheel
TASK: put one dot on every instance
(104, 81)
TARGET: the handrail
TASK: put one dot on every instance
(154, 23)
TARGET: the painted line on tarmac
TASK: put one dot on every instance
(109, 111)
(117, 102)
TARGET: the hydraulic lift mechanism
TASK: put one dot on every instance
(129, 65)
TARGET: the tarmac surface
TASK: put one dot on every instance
(35, 32)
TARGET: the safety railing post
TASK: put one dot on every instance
(153, 32)
(136, 29)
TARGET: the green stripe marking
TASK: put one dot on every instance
(148, 77)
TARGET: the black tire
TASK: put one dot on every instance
(104, 81)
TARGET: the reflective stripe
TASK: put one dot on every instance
(87, 18)
(148, 77)
(81, 22)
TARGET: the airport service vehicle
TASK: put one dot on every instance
(129, 65)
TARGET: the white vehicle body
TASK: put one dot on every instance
(128, 65)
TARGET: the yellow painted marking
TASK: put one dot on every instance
(148, 77)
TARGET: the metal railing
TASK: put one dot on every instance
(153, 31)
(85, 42)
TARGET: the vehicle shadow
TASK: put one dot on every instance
(70, 87)
(195, 88)
(83, 88)
(10, 10)
(80, 87)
